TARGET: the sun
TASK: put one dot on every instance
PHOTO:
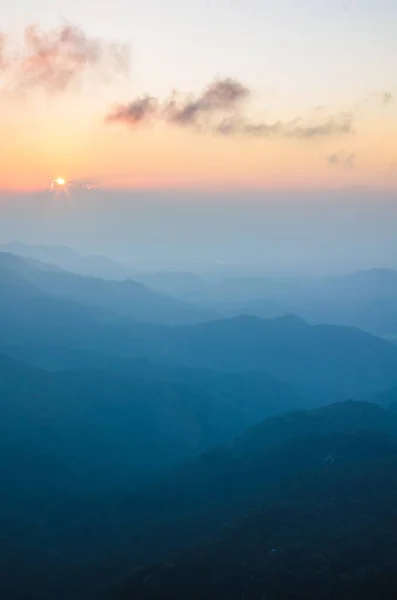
(60, 181)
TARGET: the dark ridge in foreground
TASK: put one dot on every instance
(328, 532)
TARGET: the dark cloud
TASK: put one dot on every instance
(342, 159)
(136, 112)
(219, 110)
(220, 96)
(54, 59)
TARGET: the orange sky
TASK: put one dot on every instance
(37, 151)
(298, 60)
(44, 136)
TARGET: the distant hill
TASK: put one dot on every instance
(324, 357)
(128, 299)
(366, 299)
(47, 327)
(62, 256)
(57, 255)
(132, 421)
(173, 283)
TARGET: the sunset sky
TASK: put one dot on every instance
(306, 64)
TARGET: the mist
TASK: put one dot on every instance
(314, 232)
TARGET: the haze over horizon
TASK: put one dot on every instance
(202, 132)
(310, 233)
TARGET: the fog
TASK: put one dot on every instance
(265, 232)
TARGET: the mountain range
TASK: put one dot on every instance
(45, 328)
(365, 299)
(156, 446)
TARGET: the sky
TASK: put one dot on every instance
(228, 128)
(309, 60)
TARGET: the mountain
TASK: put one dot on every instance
(72, 521)
(173, 283)
(323, 357)
(327, 532)
(226, 482)
(366, 299)
(128, 424)
(62, 256)
(120, 427)
(85, 543)
(101, 267)
(71, 439)
(268, 467)
(126, 298)
(47, 315)
(57, 255)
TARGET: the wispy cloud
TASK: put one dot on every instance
(55, 59)
(297, 128)
(342, 159)
(221, 110)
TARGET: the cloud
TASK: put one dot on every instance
(55, 59)
(219, 110)
(136, 112)
(297, 128)
(342, 159)
(220, 96)
(335, 125)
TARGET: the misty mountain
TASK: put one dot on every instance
(125, 298)
(328, 357)
(366, 299)
(336, 362)
(70, 260)
(174, 283)
(56, 255)
(134, 421)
